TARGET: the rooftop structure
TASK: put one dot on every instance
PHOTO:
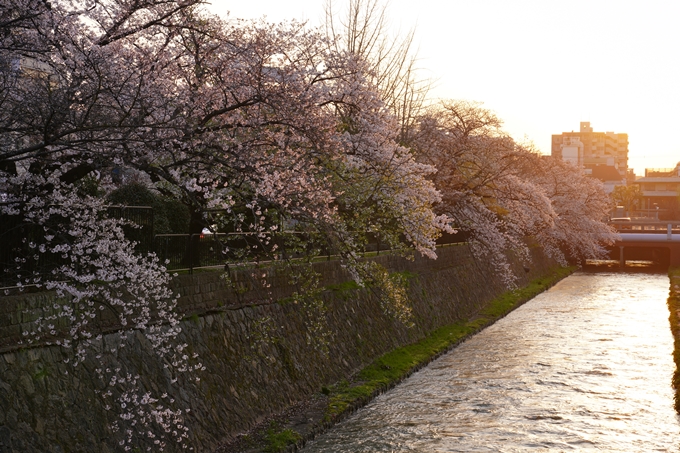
(590, 150)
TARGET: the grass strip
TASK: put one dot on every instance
(393, 367)
(674, 319)
(278, 440)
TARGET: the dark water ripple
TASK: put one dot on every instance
(585, 366)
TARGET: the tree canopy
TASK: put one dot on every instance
(503, 192)
(329, 130)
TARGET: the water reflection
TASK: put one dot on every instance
(585, 366)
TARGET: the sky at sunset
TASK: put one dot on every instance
(543, 66)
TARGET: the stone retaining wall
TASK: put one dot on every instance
(258, 357)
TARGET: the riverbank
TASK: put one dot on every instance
(260, 347)
(291, 430)
(674, 318)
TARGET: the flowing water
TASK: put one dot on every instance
(585, 366)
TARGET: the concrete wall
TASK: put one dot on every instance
(258, 357)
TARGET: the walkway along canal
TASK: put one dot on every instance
(585, 366)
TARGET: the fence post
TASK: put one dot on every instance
(158, 250)
(151, 232)
(191, 253)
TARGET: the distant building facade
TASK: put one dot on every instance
(660, 189)
(603, 155)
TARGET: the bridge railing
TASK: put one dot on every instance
(647, 227)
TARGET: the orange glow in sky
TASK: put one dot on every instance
(542, 66)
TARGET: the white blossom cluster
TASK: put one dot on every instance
(301, 142)
(104, 286)
(505, 195)
(269, 124)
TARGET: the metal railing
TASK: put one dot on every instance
(20, 241)
(18, 255)
(175, 251)
(194, 251)
(652, 227)
(189, 251)
(140, 229)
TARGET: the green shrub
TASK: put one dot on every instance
(170, 215)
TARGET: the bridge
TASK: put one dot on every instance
(650, 241)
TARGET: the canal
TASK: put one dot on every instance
(585, 366)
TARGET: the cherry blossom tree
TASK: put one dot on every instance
(71, 94)
(502, 192)
(253, 119)
(174, 102)
(579, 231)
(268, 125)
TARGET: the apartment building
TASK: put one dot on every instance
(599, 153)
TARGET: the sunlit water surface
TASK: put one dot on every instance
(585, 366)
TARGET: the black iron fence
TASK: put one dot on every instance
(18, 255)
(21, 241)
(139, 228)
(18, 240)
(191, 251)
